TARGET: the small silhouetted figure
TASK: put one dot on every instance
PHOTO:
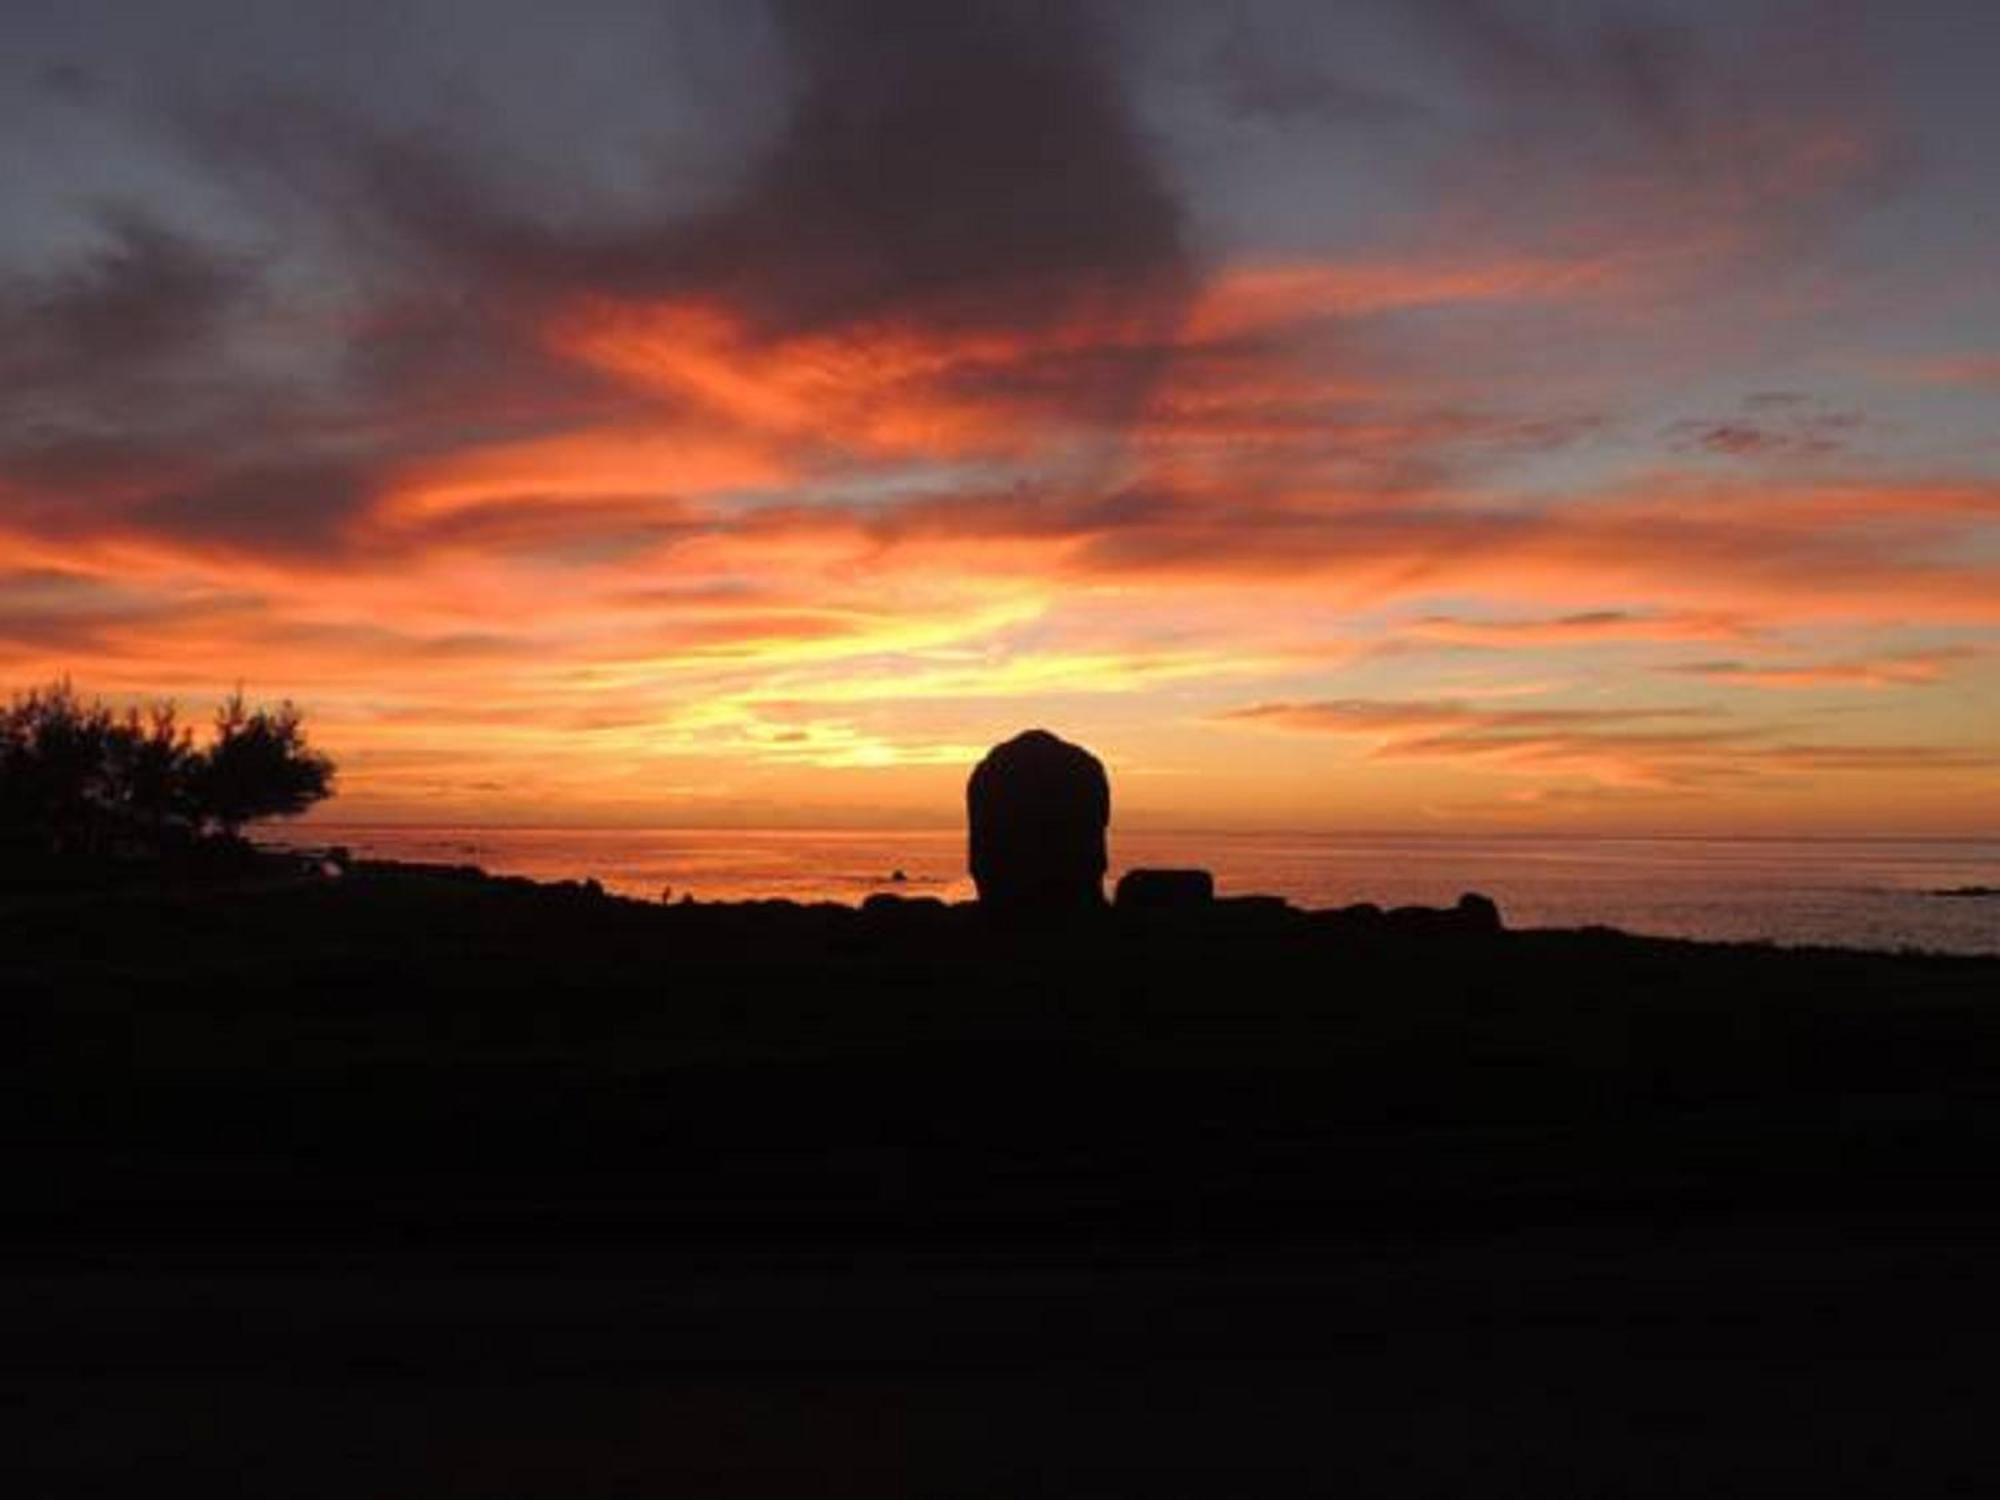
(1037, 808)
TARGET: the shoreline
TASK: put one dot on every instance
(885, 892)
(1858, 896)
(295, 863)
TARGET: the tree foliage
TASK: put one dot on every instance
(78, 778)
(259, 766)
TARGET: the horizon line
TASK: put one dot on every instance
(1684, 836)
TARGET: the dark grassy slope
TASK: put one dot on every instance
(485, 1188)
(398, 1052)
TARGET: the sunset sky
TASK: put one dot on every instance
(1450, 414)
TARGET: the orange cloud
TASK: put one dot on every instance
(889, 387)
(1910, 669)
(1581, 628)
(1884, 553)
(635, 468)
(1264, 298)
(1614, 747)
(1972, 371)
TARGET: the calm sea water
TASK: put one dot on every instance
(1852, 893)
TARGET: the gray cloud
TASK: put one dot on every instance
(1763, 122)
(968, 163)
(976, 159)
(1261, 76)
(143, 301)
(297, 506)
(1770, 424)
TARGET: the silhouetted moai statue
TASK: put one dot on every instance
(1038, 807)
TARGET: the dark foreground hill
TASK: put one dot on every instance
(429, 1184)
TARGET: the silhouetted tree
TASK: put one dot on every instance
(77, 779)
(154, 765)
(56, 780)
(259, 766)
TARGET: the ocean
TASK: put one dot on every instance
(1858, 893)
